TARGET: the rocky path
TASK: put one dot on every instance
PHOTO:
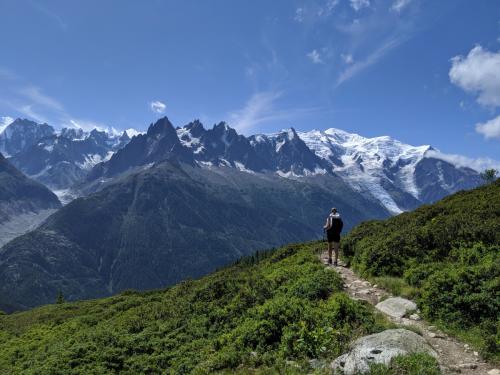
(453, 356)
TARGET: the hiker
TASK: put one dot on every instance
(333, 227)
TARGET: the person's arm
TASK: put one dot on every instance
(341, 225)
(327, 224)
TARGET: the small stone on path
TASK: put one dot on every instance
(495, 371)
(468, 365)
(396, 307)
(415, 317)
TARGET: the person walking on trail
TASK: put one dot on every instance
(333, 228)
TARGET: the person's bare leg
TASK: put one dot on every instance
(336, 250)
(329, 252)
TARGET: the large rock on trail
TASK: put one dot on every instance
(396, 307)
(380, 348)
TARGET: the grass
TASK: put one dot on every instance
(414, 364)
(397, 286)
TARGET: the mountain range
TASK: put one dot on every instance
(57, 159)
(175, 203)
(152, 203)
(398, 176)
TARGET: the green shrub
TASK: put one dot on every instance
(414, 364)
(278, 306)
(448, 254)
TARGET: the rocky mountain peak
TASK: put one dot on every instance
(161, 128)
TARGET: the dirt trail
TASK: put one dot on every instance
(453, 356)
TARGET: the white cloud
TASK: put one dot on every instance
(88, 125)
(359, 4)
(157, 106)
(328, 8)
(299, 15)
(4, 122)
(479, 164)
(28, 111)
(375, 56)
(256, 110)
(315, 57)
(35, 95)
(398, 5)
(261, 108)
(478, 73)
(347, 58)
(133, 132)
(490, 129)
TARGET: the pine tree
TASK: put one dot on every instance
(60, 298)
(489, 175)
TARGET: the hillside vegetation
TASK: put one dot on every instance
(449, 253)
(269, 308)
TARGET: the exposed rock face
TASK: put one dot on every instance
(59, 160)
(380, 348)
(22, 134)
(396, 307)
(19, 194)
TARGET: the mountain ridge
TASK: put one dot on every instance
(399, 176)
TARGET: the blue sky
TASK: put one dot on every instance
(424, 72)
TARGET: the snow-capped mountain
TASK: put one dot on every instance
(21, 134)
(400, 176)
(59, 158)
(283, 152)
(397, 175)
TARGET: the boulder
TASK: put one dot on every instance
(396, 307)
(380, 348)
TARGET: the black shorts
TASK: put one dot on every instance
(332, 237)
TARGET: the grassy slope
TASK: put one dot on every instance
(447, 255)
(260, 312)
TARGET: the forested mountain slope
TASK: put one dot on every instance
(156, 227)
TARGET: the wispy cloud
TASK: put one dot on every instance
(258, 109)
(4, 122)
(479, 164)
(357, 5)
(359, 66)
(35, 95)
(299, 15)
(87, 125)
(28, 111)
(43, 9)
(315, 57)
(347, 58)
(157, 106)
(398, 5)
(261, 108)
(28, 100)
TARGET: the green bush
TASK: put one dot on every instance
(263, 311)
(449, 253)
